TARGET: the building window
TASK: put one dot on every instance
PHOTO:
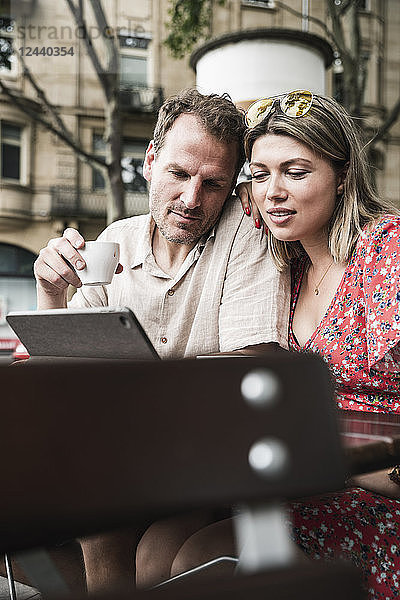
(365, 5)
(133, 152)
(132, 174)
(10, 158)
(133, 70)
(99, 149)
(338, 80)
(338, 87)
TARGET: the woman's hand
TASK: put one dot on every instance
(377, 482)
(243, 191)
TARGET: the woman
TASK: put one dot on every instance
(311, 185)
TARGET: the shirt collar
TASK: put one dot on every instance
(144, 250)
(143, 243)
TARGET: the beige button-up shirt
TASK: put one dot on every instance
(227, 294)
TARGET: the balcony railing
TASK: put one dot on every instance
(70, 202)
(140, 99)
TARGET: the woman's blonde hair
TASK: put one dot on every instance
(330, 132)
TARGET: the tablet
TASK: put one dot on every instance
(85, 332)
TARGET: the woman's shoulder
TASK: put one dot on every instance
(382, 231)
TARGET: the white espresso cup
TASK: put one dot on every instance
(101, 260)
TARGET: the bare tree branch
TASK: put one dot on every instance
(350, 61)
(78, 16)
(389, 121)
(344, 6)
(108, 39)
(358, 58)
(42, 96)
(362, 81)
(355, 38)
(113, 133)
(91, 159)
(337, 31)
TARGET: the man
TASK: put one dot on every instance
(194, 271)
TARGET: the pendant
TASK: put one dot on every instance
(316, 291)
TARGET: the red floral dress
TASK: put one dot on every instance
(358, 337)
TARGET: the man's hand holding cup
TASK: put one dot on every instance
(69, 260)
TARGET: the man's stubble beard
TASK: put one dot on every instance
(188, 238)
(188, 234)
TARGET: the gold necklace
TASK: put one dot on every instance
(316, 289)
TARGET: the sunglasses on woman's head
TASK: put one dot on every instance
(294, 104)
